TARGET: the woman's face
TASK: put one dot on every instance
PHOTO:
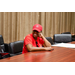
(35, 33)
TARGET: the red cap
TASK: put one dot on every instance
(37, 27)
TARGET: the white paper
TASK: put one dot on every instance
(68, 45)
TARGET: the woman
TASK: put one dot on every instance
(35, 41)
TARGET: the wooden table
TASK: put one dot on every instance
(59, 54)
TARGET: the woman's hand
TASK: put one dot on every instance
(41, 35)
(49, 48)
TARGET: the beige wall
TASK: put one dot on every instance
(15, 26)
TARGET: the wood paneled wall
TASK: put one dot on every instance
(15, 26)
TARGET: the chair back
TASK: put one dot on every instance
(2, 47)
(1, 40)
(16, 47)
(50, 40)
(58, 38)
(73, 36)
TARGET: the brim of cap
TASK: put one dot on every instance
(36, 29)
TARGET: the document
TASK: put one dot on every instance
(68, 45)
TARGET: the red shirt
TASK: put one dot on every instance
(30, 40)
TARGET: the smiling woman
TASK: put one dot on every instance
(35, 34)
(35, 41)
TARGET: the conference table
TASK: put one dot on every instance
(59, 54)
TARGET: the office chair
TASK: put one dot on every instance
(73, 36)
(59, 38)
(50, 40)
(3, 49)
(3, 45)
(15, 48)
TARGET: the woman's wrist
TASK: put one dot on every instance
(43, 37)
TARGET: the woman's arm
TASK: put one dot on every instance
(31, 48)
(47, 43)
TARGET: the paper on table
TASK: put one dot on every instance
(68, 45)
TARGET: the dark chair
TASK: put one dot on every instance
(50, 40)
(3, 45)
(73, 36)
(15, 48)
(59, 38)
(3, 49)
